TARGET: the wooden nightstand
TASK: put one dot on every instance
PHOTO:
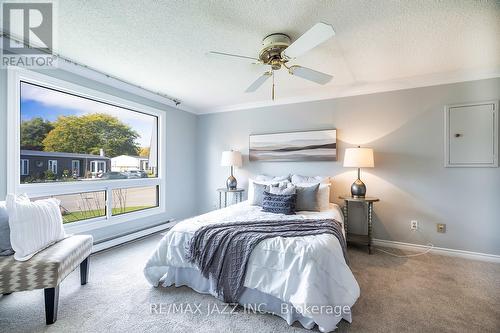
(238, 195)
(357, 238)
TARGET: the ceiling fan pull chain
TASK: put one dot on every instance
(273, 85)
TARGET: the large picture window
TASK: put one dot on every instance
(99, 154)
(63, 129)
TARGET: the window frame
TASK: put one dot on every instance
(15, 76)
(73, 168)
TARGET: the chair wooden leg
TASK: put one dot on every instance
(84, 270)
(51, 304)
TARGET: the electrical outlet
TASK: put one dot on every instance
(441, 227)
(413, 225)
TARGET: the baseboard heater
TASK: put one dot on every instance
(125, 238)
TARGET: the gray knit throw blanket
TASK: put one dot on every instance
(221, 251)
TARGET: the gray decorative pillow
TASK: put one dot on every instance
(258, 192)
(5, 246)
(307, 198)
(279, 204)
(282, 190)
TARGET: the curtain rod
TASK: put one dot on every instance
(109, 76)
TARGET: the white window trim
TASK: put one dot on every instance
(25, 171)
(97, 169)
(14, 76)
(52, 166)
(73, 166)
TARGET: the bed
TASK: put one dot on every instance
(304, 279)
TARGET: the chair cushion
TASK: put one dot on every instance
(45, 269)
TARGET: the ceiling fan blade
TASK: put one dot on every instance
(319, 33)
(234, 56)
(260, 81)
(310, 74)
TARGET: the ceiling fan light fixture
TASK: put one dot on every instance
(272, 47)
(277, 49)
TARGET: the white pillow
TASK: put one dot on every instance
(323, 194)
(298, 179)
(264, 178)
(33, 225)
(274, 180)
(283, 190)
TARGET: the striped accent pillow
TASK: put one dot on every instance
(279, 204)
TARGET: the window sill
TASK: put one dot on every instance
(150, 216)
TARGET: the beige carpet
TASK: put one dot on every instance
(429, 293)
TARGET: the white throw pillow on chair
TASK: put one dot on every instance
(33, 225)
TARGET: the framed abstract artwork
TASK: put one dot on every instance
(294, 146)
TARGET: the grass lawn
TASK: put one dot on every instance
(77, 216)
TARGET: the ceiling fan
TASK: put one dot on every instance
(278, 49)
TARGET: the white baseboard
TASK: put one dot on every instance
(130, 237)
(376, 242)
(438, 250)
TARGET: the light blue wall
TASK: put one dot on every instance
(405, 128)
(180, 145)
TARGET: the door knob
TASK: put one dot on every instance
(457, 135)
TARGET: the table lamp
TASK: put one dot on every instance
(358, 158)
(231, 158)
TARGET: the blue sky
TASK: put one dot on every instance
(50, 104)
(32, 109)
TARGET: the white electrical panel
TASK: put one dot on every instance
(471, 135)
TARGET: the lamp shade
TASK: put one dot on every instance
(358, 158)
(231, 158)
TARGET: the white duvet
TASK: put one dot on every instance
(308, 272)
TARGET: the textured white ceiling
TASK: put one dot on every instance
(379, 45)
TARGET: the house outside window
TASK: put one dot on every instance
(82, 130)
